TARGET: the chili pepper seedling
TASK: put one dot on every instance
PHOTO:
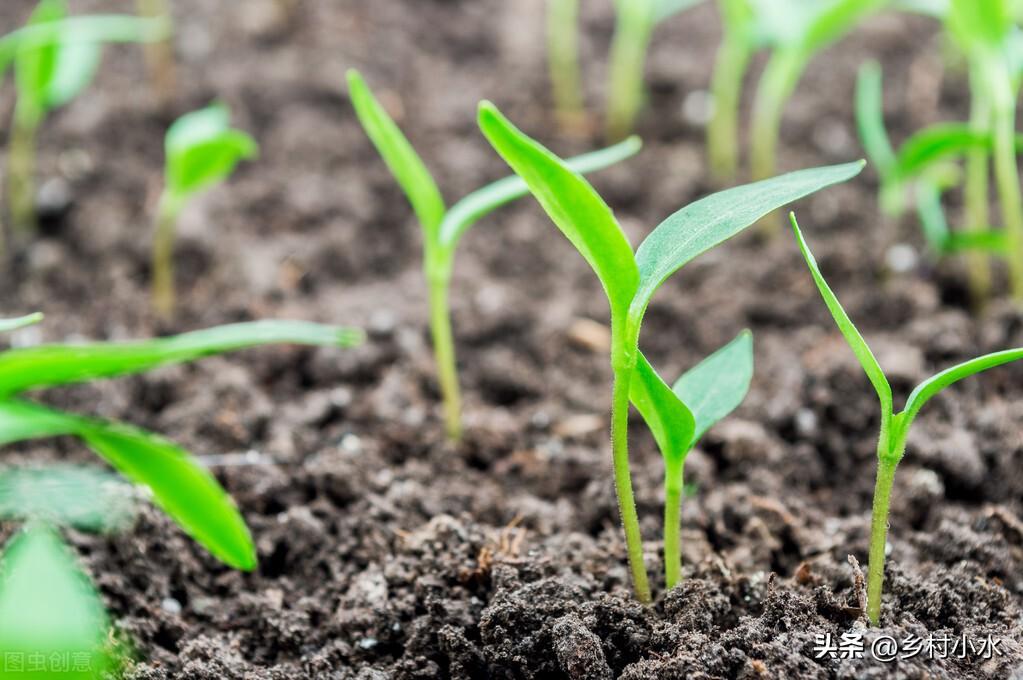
(634, 24)
(202, 149)
(630, 280)
(891, 445)
(181, 487)
(443, 228)
(54, 59)
(679, 415)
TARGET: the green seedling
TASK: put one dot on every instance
(202, 149)
(891, 445)
(630, 280)
(634, 24)
(678, 416)
(443, 228)
(186, 491)
(563, 62)
(54, 59)
(794, 33)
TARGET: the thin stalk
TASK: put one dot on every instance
(633, 27)
(438, 281)
(21, 165)
(879, 535)
(1007, 180)
(976, 200)
(672, 528)
(726, 88)
(163, 254)
(160, 54)
(563, 61)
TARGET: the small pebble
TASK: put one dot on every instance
(170, 605)
(901, 258)
(698, 107)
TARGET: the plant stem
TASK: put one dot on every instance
(672, 527)
(438, 281)
(160, 55)
(563, 61)
(633, 27)
(21, 166)
(879, 535)
(976, 199)
(163, 254)
(1007, 179)
(726, 88)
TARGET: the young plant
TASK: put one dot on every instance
(181, 487)
(54, 59)
(634, 24)
(202, 149)
(891, 443)
(678, 416)
(563, 62)
(630, 280)
(443, 228)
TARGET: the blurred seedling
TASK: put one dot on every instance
(201, 149)
(443, 228)
(630, 281)
(184, 489)
(891, 445)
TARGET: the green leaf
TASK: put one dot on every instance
(48, 365)
(405, 164)
(572, 204)
(77, 63)
(67, 495)
(937, 143)
(49, 608)
(845, 325)
(7, 325)
(870, 119)
(989, 240)
(669, 419)
(467, 211)
(717, 385)
(202, 149)
(835, 21)
(932, 215)
(181, 487)
(978, 24)
(701, 225)
(35, 67)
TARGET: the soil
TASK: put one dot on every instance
(386, 552)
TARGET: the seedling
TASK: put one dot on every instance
(202, 149)
(634, 24)
(891, 445)
(795, 34)
(185, 490)
(54, 59)
(678, 416)
(443, 228)
(630, 280)
(563, 62)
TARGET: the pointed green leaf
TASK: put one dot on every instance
(202, 149)
(870, 119)
(717, 385)
(936, 383)
(67, 495)
(468, 210)
(7, 325)
(35, 66)
(405, 164)
(572, 204)
(181, 487)
(936, 143)
(669, 419)
(77, 63)
(47, 365)
(701, 225)
(49, 609)
(845, 325)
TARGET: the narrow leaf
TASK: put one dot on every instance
(937, 143)
(47, 365)
(701, 225)
(405, 164)
(669, 419)
(870, 119)
(845, 325)
(76, 66)
(573, 205)
(7, 325)
(467, 211)
(936, 383)
(988, 240)
(717, 385)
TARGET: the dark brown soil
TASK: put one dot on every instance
(387, 553)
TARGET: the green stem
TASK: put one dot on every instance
(1007, 179)
(672, 528)
(879, 535)
(163, 254)
(976, 200)
(21, 166)
(623, 363)
(438, 281)
(563, 61)
(160, 54)
(633, 27)
(726, 88)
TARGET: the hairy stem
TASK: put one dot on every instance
(976, 200)
(1007, 179)
(438, 281)
(672, 527)
(163, 254)
(21, 166)
(633, 27)
(563, 61)
(879, 535)
(160, 55)
(726, 88)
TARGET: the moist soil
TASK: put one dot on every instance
(386, 552)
